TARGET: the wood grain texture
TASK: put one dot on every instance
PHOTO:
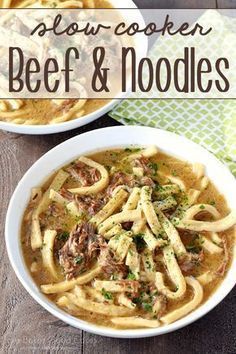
(25, 327)
(227, 4)
(178, 4)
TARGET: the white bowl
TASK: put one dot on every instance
(141, 45)
(99, 140)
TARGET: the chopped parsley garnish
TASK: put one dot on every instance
(154, 167)
(130, 252)
(137, 300)
(131, 276)
(139, 241)
(193, 249)
(128, 150)
(195, 246)
(147, 307)
(79, 259)
(148, 264)
(43, 244)
(174, 173)
(157, 187)
(202, 206)
(107, 295)
(53, 4)
(63, 236)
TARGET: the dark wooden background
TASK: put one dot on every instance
(25, 327)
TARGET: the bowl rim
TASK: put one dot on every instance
(44, 129)
(25, 277)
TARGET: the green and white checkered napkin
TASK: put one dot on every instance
(210, 123)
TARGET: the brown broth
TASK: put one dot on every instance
(43, 111)
(111, 159)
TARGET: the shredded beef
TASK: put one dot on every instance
(120, 178)
(112, 46)
(108, 263)
(162, 301)
(127, 225)
(189, 261)
(54, 210)
(79, 250)
(66, 194)
(133, 284)
(144, 163)
(86, 175)
(222, 268)
(147, 181)
(88, 204)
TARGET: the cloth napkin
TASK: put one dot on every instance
(210, 123)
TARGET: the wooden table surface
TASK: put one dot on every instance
(27, 328)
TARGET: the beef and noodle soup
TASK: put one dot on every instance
(128, 238)
(45, 111)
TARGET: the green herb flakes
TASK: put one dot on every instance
(107, 295)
